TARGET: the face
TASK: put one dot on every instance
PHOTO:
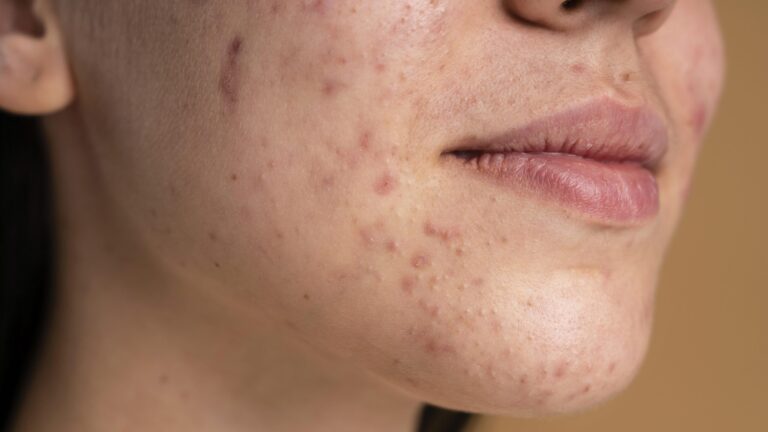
(299, 159)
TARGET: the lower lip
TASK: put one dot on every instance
(614, 193)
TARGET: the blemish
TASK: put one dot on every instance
(365, 141)
(431, 310)
(442, 233)
(561, 369)
(233, 177)
(434, 347)
(216, 264)
(407, 284)
(392, 246)
(578, 68)
(229, 81)
(419, 261)
(611, 368)
(385, 184)
(698, 119)
(306, 296)
(212, 236)
(586, 389)
(163, 379)
(331, 87)
(523, 380)
(319, 7)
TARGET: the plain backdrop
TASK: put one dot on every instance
(707, 368)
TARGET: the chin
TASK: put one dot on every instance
(557, 348)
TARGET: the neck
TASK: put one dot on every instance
(131, 348)
(142, 358)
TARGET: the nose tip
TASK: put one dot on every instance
(643, 16)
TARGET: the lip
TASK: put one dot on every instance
(598, 159)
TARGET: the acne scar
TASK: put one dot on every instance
(420, 261)
(442, 233)
(229, 81)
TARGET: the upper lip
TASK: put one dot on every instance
(601, 129)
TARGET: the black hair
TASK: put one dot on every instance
(27, 263)
(26, 254)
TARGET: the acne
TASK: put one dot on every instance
(578, 68)
(229, 80)
(561, 369)
(408, 284)
(445, 234)
(385, 184)
(420, 261)
(331, 87)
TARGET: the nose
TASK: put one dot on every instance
(642, 16)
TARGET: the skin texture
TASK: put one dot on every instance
(254, 212)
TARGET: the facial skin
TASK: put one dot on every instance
(279, 166)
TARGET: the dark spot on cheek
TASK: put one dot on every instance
(306, 296)
(229, 80)
(217, 264)
(586, 389)
(212, 236)
(233, 177)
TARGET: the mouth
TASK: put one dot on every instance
(599, 160)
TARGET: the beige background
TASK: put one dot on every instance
(707, 368)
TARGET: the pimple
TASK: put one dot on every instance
(611, 368)
(317, 6)
(408, 284)
(523, 380)
(420, 261)
(442, 233)
(392, 246)
(430, 309)
(561, 369)
(434, 347)
(586, 389)
(364, 142)
(698, 119)
(229, 80)
(331, 87)
(578, 68)
(385, 184)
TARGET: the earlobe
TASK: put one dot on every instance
(34, 75)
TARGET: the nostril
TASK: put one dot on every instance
(569, 5)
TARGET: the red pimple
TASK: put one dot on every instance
(392, 246)
(385, 184)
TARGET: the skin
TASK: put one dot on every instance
(258, 230)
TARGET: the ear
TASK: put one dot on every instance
(34, 76)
